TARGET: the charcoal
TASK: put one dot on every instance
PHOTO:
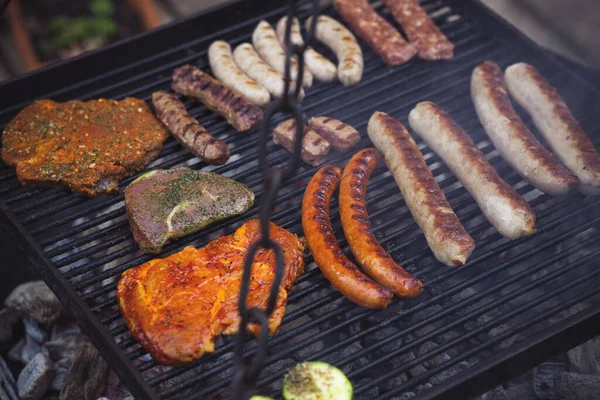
(35, 378)
(544, 380)
(585, 359)
(85, 376)
(497, 393)
(63, 329)
(575, 386)
(66, 346)
(37, 300)
(31, 349)
(8, 386)
(34, 330)
(59, 378)
(15, 352)
(9, 318)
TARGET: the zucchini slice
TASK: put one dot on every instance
(316, 380)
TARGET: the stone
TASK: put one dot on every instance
(66, 346)
(34, 330)
(37, 300)
(9, 318)
(85, 377)
(35, 378)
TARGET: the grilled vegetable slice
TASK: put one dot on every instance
(316, 380)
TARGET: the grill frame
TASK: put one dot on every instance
(576, 329)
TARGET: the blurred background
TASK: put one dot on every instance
(36, 32)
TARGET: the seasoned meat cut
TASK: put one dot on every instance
(177, 306)
(85, 146)
(166, 204)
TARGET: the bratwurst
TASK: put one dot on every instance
(336, 267)
(499, 202)
(376, 262)
(446, 237)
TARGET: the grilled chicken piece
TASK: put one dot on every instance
(85, 146)
(166, 204)
(177, 306)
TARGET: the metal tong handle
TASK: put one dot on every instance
(246, 369)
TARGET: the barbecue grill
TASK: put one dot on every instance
(512, 306)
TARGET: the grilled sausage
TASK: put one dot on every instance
(510, 135)
(314, 147)
(446, 237)
(250, 62)
(238, 111)
(341, 136)
(267, 46)
(343, 43)
(332, 262)
(421, 30)
(376, 262)
(499, 202)
(187, 130)
(556, 123)
(225, 69)
(383, 38)
(321, 68)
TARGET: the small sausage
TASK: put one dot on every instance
(267, 46)
(332, 262)
(341, 136)
(225, 69)
(421, 30)
(499, 202)
(512, 138)
(314, 147)
(446, 237)
(250, 62)
(376, 262)
(321, 68)
(187, 130)
(235, 108)
(383, 38)
(555, 122)
(343, 43)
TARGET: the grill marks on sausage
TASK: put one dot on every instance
(314, 147)
(336, 267)
(545, 171)
(383, 38)
(187, 130)
(238, 111)
(355, 221)
(341, 136)
(421, 30)
(450, 243)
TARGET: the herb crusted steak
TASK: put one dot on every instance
(85, 146)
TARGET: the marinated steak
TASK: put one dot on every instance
(177, 306)
(85, 146)
(166, 204)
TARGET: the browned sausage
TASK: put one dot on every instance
(376, 262)
(187, 130)
(336, 267)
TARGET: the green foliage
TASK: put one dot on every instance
(67, 31)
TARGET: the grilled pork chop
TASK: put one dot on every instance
(177, 306)
(85, 146)
(166, 204)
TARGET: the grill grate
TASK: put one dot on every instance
(514, 298)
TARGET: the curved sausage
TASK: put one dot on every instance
(343, 43)
(250, 62)
(376, 262)
(421, 30)
(336, 267)
(383, 38)
(510, 214)
(225, 69)
(322, 69)
(510, 135)
(187, 130)
(446, 237)
(267, 46)
(556, 123)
